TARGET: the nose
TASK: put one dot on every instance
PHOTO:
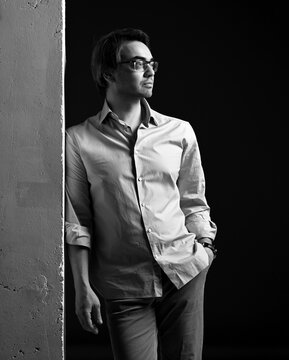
(149, 71)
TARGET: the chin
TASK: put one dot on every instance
(147, 94)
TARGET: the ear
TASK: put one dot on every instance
(108, 77)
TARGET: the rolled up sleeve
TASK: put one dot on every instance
(191, 184)
(78, 214)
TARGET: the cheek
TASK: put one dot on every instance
(131, 84)
(130, 81)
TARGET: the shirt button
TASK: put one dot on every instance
(149, 230)
(143, 205)
(140, 178)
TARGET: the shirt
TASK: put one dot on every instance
(138, 202)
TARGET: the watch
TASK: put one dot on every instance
(210, 246)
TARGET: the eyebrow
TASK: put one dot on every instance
(141, 58)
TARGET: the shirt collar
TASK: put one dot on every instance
(105, 111)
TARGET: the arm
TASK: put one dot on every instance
(78, 229)
(87, 305)
(191, 184)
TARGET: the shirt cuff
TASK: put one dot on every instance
(77, 235)
(202, 229)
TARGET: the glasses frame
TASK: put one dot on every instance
(153, 64)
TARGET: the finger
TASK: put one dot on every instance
(96, 313)
(86, 322)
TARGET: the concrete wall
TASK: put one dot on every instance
(31, 138)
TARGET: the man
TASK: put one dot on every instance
(138, 227)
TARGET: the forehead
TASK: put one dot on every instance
(131, 49)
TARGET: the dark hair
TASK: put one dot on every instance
(105, 54)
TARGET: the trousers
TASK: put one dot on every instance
(169, 327)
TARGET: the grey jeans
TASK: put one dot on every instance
(165, 328)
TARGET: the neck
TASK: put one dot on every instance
(127, 111)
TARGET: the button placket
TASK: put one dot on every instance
(140, 180)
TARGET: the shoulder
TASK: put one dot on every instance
(78, 133)
(80, 128)
(175, 123)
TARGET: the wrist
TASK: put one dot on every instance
(82, 285)
(205, 240)
(210, 246)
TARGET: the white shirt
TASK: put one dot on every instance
(138, 202)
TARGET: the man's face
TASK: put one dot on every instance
(129, 82)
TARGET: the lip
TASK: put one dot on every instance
(148, 84)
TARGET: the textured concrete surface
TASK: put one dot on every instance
(31, 138)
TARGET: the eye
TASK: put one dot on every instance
(138, 64)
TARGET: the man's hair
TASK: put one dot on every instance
(106, 53)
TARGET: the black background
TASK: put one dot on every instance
(224, 69)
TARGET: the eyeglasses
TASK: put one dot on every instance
(141, 64)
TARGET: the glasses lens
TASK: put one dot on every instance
(152, 64)
(138, 65)
(142, 65)
(155, 65)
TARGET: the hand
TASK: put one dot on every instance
(87, 308)
(210, 254)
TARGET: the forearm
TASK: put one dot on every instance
(79, 261)
(191, 185)
(201, 225)
(87, 304)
